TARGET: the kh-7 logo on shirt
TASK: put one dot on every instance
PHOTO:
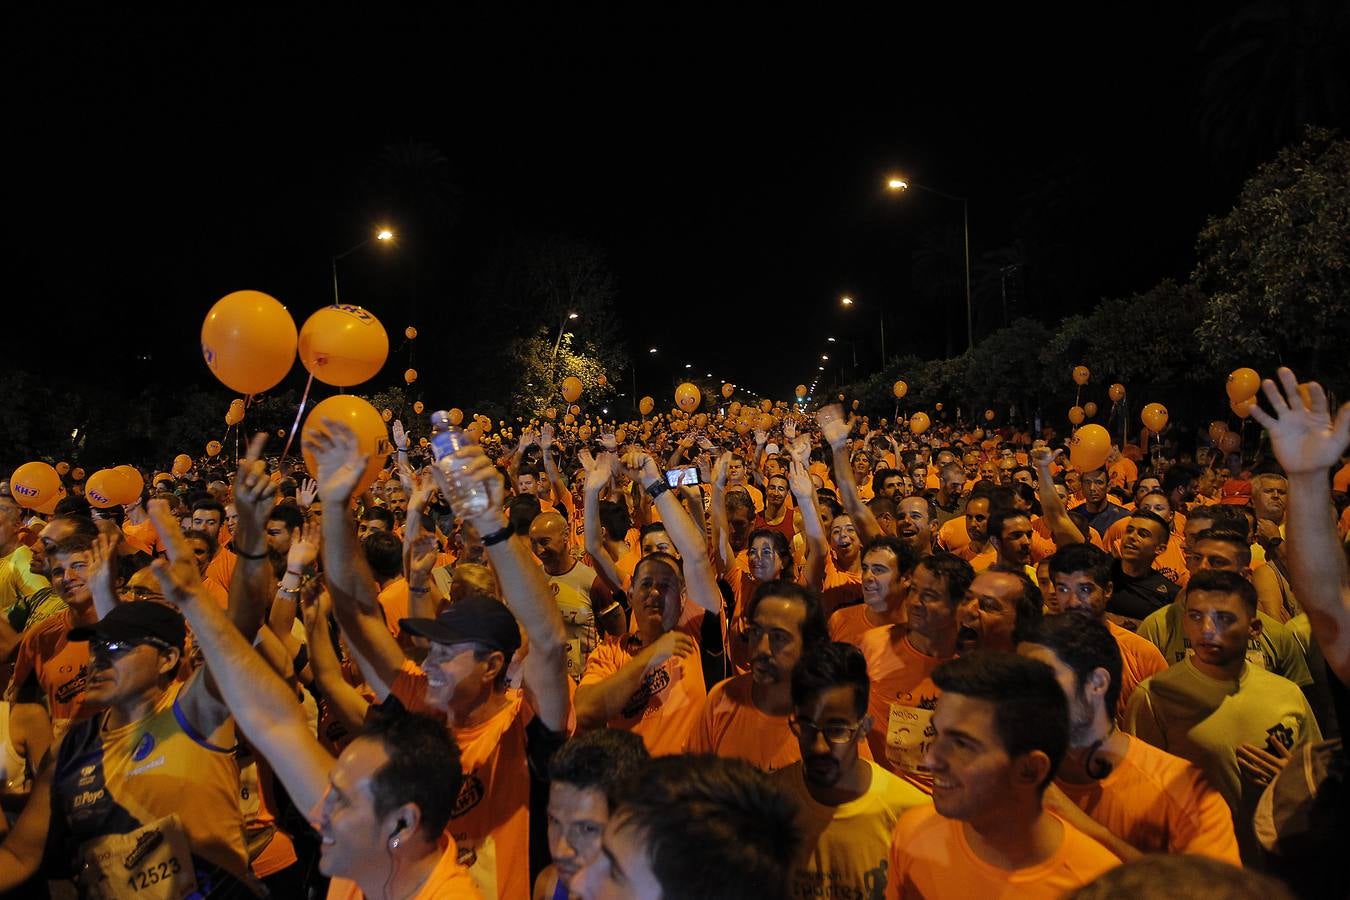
(654, 683)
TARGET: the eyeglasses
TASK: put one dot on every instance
(834, 734)
(115, 650)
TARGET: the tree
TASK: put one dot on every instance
(538, 374)
(1274, 269)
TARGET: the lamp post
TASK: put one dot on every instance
(900, 185)
(384, 234)
(561, 326)
(847, 301)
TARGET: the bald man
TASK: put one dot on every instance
(586, 606)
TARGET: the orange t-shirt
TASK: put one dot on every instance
(1140, 659)
(978, 561)
(731, 725)
(221, 568)
(901, 702)
(930, 857)
(61, 667)
(1123, 473)
(491, 821)
(666, 705)
(1159, 803)
(840, 588)
(1041, 529)
(143, 537)
(393, 602)
(1341, 480)
(848, 625)
(448, 881)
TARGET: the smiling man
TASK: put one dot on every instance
(1137, 588)
(887, 565)
(1002, 729)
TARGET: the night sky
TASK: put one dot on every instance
(731, 168)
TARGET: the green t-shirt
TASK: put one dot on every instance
(1204, 720)
(1275, 649)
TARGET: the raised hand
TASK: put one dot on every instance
(178, 575)
(719, 472)
(799, 480)
(422, 556)
(305, 549)
(1042, 457)
(599, 472)
(103, 560)
(545, 437)
(338, 461)
(400, 436)
(309, 489)
(1304, 437)
(254, 498)
(789, 430)
(638, 465)
(833, 427)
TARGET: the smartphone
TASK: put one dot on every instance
(682, 476)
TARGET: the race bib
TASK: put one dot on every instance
(908, 733)
(151, 863)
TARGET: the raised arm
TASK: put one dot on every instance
(598, 473)
(699, 580)
(299, 560)
(252, 582)
(528, 595)
(1062, 530)
(835, 431)
(556, 482)
(1307, 443)
(345, 702)
(799, 480)
(718, 507)
(340, 463)
(103, 571)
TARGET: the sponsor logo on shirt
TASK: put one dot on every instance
(143, 748)
(470, 795)
(653, 684)
(68, 691)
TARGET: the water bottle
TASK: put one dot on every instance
(467, 498)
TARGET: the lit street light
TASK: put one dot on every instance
(899, 185)
(847, 301)
(384, 234)
(561, 325)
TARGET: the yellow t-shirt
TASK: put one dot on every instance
(844, 848)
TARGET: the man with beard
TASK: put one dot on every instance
(951, 484)
(847, 805)
(1082, 577)
(887, 564)
(1010, 534)
(901, 658)
(1129, 796)
(1098, 507)
(977, 550)
(1137, 588)
(999, 605)
(1002, 728)
(892, 484)
(747, 715)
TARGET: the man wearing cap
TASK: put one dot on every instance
(464, 675)
(183, 822)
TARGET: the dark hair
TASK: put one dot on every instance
(665, 559)
(210, 504)
(531, 469)
(781, 548)
(423, 768)
(954, 569)
(1030, 605)
(1166, 499)
(196, 534)
(1224, 516)
(880, 475)
(615, 518)
(288, 514)
(1237, 538)
(1220, 582)
(287, 488)
(1001, 515)
(1082, 558)
(652, 528)
(378, 514)
(606, 760)
(81, 526)
(71, 506)
(725, 814)
(827, 665)
(1154, 517)
(1083, 644)
(814, 629)
(1030, 709)
(1191, 876)
(521, 512)
(828, 500)
(927, 501)
(384, 553)
(75, 543)
(740, 500)
(905, 558)
(1178, 476)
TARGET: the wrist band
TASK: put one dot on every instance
(491, 540)
(413, 590)
(401, 449)
(294, 592)
(243, 555)
(657, 488)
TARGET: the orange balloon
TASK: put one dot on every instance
(919, 422)
(1081, 375)
(687, 397)
(899, 389)
(410, 332)
(765, 405)
(584, 432)
(77, 474)
(1154, 416)
(1076, 415)
(1231, 442)
(474, 432)
(801, 391)
(571, 388)
(410, 376)
(107, 488)
(182, 464)
(1242, 408)
(602, 380)
(135, 481)
(248, 341)
(1090, 408)
(937, 406)
(646, 405)
(1217, 430)
(62, 467)
(989, 415)
(743, 425)
(1089, 447)
(386, 414)
(1117, 392)
(569, 419)
(418, 407)
(550, 413)
(213, 448)
(727, 391)
(456, 415)
(734, 409)
(34, 484)
(361, 418)
(343, 345)
(574, 409)
(1242, 384)
(620, 436)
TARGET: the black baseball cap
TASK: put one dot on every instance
(475, 618)
(136, 621)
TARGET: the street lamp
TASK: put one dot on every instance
(561, 326)
(847, 301)
(384, 234)
(899, 185)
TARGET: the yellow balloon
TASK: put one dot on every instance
(410, 332)
(248, 341)
(386, 414)
(62, 467)
(801, 391)
(456, 415)
(727, 391)
(1242, 384)
(687, 397)
(646, 405)
(571, 388)
(919, 422)
(899, 389)
(343, 345)
(1154, 416)
(1076, 415)
(1089, 447)
(35, 484)
(410, 376)
(1081, 375)
(418, 407)
(182, 463)
(1117, 392)
(213, 448)
(361, 418)
(765, 405)
(1090, 408)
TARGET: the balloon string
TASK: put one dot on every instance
(296, 424)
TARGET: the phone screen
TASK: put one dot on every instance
(682, 476)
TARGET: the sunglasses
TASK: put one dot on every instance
(115, 650)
